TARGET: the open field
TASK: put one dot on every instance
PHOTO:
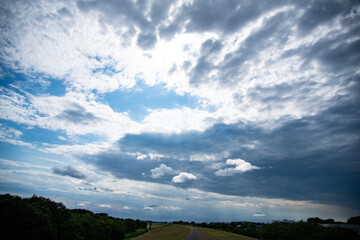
(212, 234)
(166, 232)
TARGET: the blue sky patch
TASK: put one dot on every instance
(138, 100)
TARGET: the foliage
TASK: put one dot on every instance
(304, 230)
(319, 220)
(40, 218)
(354, 220)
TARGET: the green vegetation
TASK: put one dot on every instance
(289, 230)
(136, 233)
(305, 230)
(354, 220)
(166, 232)
(212, 234)
(40, 218)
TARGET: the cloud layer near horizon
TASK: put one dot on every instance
(236, 98)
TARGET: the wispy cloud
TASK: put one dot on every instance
(69, 171)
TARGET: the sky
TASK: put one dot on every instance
(190, 110)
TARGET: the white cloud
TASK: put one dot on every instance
(241, 167)
(105, 206)
(177, 120)
(161, 171)
(183, 177)
(148, 208)
(257, 214)
(11, 135)
(22, 164)
(207, 157)
(127, 208)
(171, 208)
(83, 203)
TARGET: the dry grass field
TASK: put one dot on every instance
(166, 232)
(212, 234)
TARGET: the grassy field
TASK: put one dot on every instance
(212, 234)
(166, 232)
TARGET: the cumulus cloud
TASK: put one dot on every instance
(69, 171)
(183, 177)
(161, 171)
(241, 167)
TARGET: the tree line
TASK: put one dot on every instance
(41, 218)
(286, 230)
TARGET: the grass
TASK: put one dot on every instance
(166, 232)
(212, 234)
(137, 233)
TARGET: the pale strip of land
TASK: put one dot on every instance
(212, 234)
(166, 232)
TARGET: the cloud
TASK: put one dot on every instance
(241, 167)
(161, 171)
(146, 41)
(258, 214)
(12, 135)
(127, 208)
(183, 177)
(77, 114)
(83, 203)
(148, 209)
(168, 208)
(171, 208)
(105, 206)
(69, 171)
(153, 206)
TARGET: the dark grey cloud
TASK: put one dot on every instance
(334, 51)
(146, 41)
(77, 114)
(69, 171)
(313, 158)
(321, 12)
(159, 11)
(225, 17)
(209, 49)
(95, 189)
(131, 14)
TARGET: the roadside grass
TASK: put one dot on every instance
(166, 232)
(137, 233)
(212, 234)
